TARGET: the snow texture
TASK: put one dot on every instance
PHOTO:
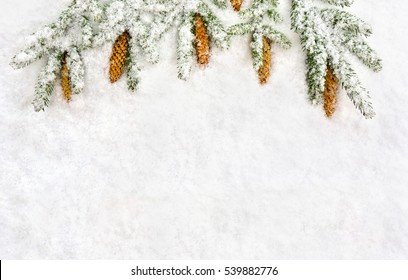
(213, 167)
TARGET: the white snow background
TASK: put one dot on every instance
(215, 167)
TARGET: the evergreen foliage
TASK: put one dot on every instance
(260, 18)
(327, 34)
(72, 32)
(181, 13)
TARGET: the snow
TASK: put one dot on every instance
(212, 167)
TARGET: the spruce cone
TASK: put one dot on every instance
(330, 92)
(202, 41)
(236, 4)
(118, 57)
(265, 70)
(65, 79)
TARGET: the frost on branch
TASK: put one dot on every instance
(134, 38)
(326, 35)
(197, 26)
(260, 18)
(122, 23)
(136, 27)
(70, 34)
(206, 28)
(165, 19)
(46, 81)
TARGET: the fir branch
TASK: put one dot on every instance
(240, 29)
(113, 23)
(341, 3)
(87, 33)
(215, 28)
(222, 4)
(257, 50)
(345, 21)
(276, 37)
(185, 46)
(352, 85)
(325, 35)
(46, 81)
(55, 36)
(133, 69)
(161, 24)
(364, 52)
(76, 70)
(258, 23)
(274, 15)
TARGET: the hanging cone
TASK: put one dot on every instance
(265, 70)
(202, 41)
(65, 79)
(330, 92)
(236, 4)
(118, 57)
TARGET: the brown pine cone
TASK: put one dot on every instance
(330, 92)
(202, 41)
(265, 70)
(118, 57)
(236, 4)
(65, 79)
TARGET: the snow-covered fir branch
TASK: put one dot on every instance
(163, 21)
(77, 70)
(133, 66)
(121, 16)
(326, 35)
(137, 27)
(73, 28)
(182, 13)
(71, 33)
(124, 17)
(260, 18)
(46, 81)
(185, 47)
